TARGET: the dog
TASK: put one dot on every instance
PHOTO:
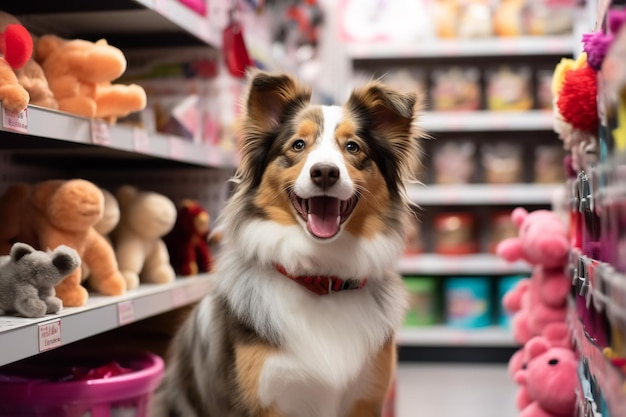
(304, 303)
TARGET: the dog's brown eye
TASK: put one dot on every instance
(298, 145)
(352, 147)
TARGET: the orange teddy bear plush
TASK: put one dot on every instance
(80, 73)
(65, 213)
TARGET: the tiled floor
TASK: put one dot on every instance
(454, 390)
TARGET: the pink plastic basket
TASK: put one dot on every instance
(26, 389)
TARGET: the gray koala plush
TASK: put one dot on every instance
(28, 278)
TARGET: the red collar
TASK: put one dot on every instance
(321, 284)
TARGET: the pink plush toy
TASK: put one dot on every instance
(557, 334)
(539, 300)
(542, 240)
(550, 379)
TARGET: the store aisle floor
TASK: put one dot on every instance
(454, 390)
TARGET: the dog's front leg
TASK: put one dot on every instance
(382, 372)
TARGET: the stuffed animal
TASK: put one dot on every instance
(550, 378)
(31, 75)
(16, 48)
(558, 336)
(145, 217)
(187, 243)
(15, 226)
(80, 73)
(108, 222)
(65, 212)
(28, 277)
(542, 240)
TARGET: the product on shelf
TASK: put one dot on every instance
(507, 18)
(15, 51)
(188, 241)
(455, 88)
(145, 217)
(548, 167)
(28, 277)
(544, 96)
(454, 162)
(80, 74)
(501, 227)
(455, 234)
(414, 238)
(475, 19)
(506, 284)
(468, 302)
(502, 163)
(423, 308)
(446, 15)
(541, 18)
(509, 88)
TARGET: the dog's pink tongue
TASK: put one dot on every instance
(323, 214)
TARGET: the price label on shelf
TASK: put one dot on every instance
(141, 141)
(50, 335)
(126, 312)
(16, 122)
(176, 148)
(100, 132)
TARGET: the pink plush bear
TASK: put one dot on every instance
(539, 300)
(550, 379)
(557, 334)
(543, 239)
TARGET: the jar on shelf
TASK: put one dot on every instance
(455, 234)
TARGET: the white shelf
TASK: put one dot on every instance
(442, 335)
(483, 120)
(482, 194)
(482, 263)
(125, 17)
(19, 337)
(52, 124)
(435, 48)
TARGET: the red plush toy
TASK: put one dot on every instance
(188, 241)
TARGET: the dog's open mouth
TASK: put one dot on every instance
(323, 215)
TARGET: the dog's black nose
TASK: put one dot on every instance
(324, 175)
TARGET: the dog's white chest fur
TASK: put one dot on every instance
(329, 342)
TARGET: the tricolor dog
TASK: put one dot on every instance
(301, 318)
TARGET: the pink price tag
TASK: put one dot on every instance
(176, 148)
(100, 133)
(126, 312)
(141, 141)
(16, 122)
(50, 335)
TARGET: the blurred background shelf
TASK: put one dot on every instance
(482, 194)
(484, 120)
(482, 263)
(442, 335)
(439, 48)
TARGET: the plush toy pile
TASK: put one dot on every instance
(545, 367)
(72, 75)
(117, 240)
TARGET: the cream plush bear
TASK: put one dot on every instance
(145, 217)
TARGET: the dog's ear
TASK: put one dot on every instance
(270, 100)
(271, 97)
(391, 117)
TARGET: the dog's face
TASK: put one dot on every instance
(329, 169)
